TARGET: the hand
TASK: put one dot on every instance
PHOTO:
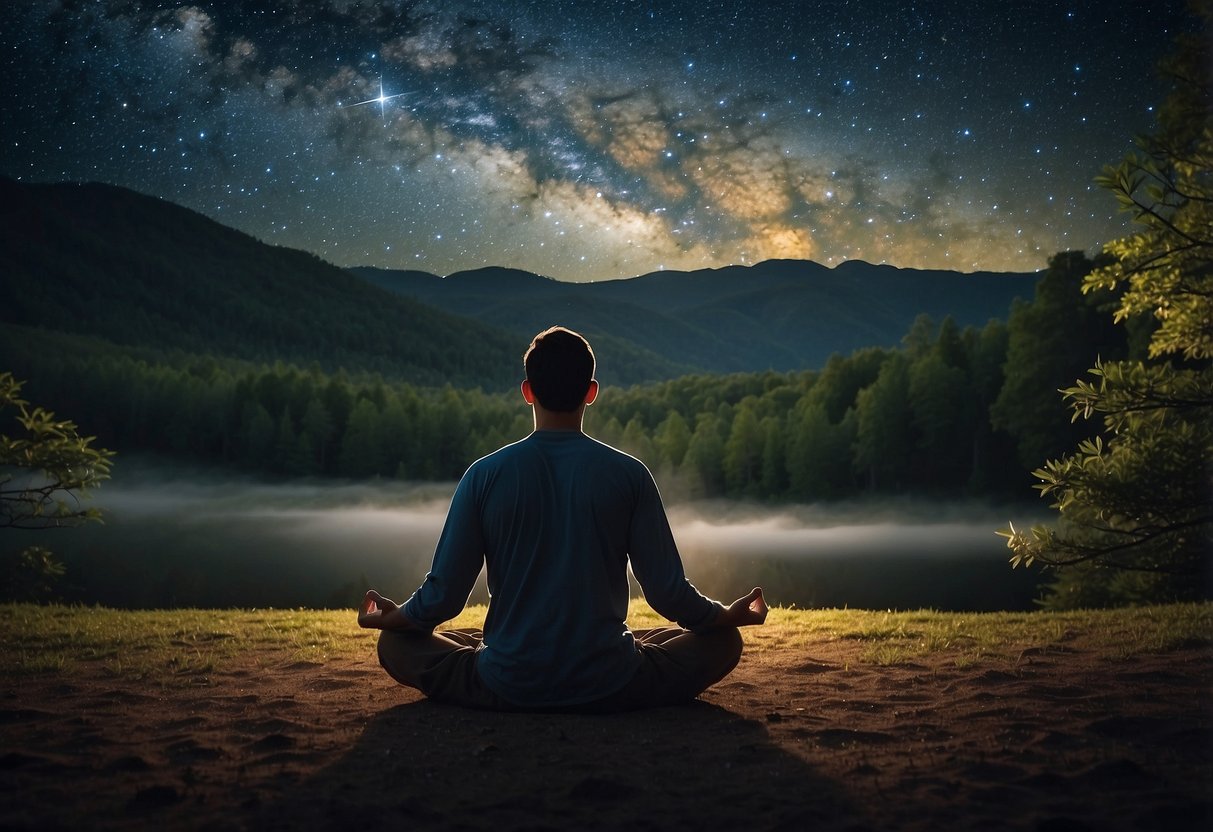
(747, 610)
(374, 607)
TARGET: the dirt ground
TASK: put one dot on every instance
(799, 739)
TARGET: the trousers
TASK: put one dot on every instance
(676, 666)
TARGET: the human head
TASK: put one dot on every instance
(559, 368)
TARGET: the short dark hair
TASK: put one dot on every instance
(560, 366)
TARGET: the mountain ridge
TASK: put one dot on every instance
(109, 262)
(778, 314)
(135, 270)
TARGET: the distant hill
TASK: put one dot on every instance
(780, 314)
(141, 272)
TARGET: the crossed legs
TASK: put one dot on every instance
(677, 665)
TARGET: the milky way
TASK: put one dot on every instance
(606, 139)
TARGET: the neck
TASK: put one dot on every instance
(555, 420)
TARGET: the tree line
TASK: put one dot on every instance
(950, 412)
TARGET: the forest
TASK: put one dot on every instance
(952, 412)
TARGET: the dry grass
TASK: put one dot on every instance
(180, 647)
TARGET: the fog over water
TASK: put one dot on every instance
(192, 540)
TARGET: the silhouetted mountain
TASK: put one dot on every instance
(141, 272)
(525, 303)
(781, 314)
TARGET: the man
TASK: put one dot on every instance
(557, 516)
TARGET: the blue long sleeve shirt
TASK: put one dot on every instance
(557, 516)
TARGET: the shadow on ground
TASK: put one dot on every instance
(421, 765)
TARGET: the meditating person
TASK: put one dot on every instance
(557, 517)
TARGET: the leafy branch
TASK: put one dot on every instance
(46, 467)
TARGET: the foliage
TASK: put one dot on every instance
(1167, 188)
(46, 467)
(1050, 342)
(31, 574)
(883, 410)
(1136, 504)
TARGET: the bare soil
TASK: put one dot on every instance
(797, 738)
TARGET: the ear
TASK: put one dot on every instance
(592, 392)
(528, 395)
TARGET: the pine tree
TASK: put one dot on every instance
(257, 437)
(884, 440)
(743, 451)
(360, 446)
(703, 458)
(673, 437)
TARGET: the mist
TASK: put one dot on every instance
(174, 539)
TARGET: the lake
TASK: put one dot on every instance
(173, 541)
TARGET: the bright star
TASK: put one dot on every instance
(381, 99)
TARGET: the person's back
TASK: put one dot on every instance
(557, 517)
(559, 514)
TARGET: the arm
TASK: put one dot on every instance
(658, 568)
(457, 562)
(458, 559)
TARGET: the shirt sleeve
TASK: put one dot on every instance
(457, 561)
(658, 566)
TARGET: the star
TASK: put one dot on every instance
(381, 100)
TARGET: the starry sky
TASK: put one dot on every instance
(593, 140)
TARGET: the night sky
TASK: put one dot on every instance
(599, 139)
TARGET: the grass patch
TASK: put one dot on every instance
(184, 647)
(971, 638)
